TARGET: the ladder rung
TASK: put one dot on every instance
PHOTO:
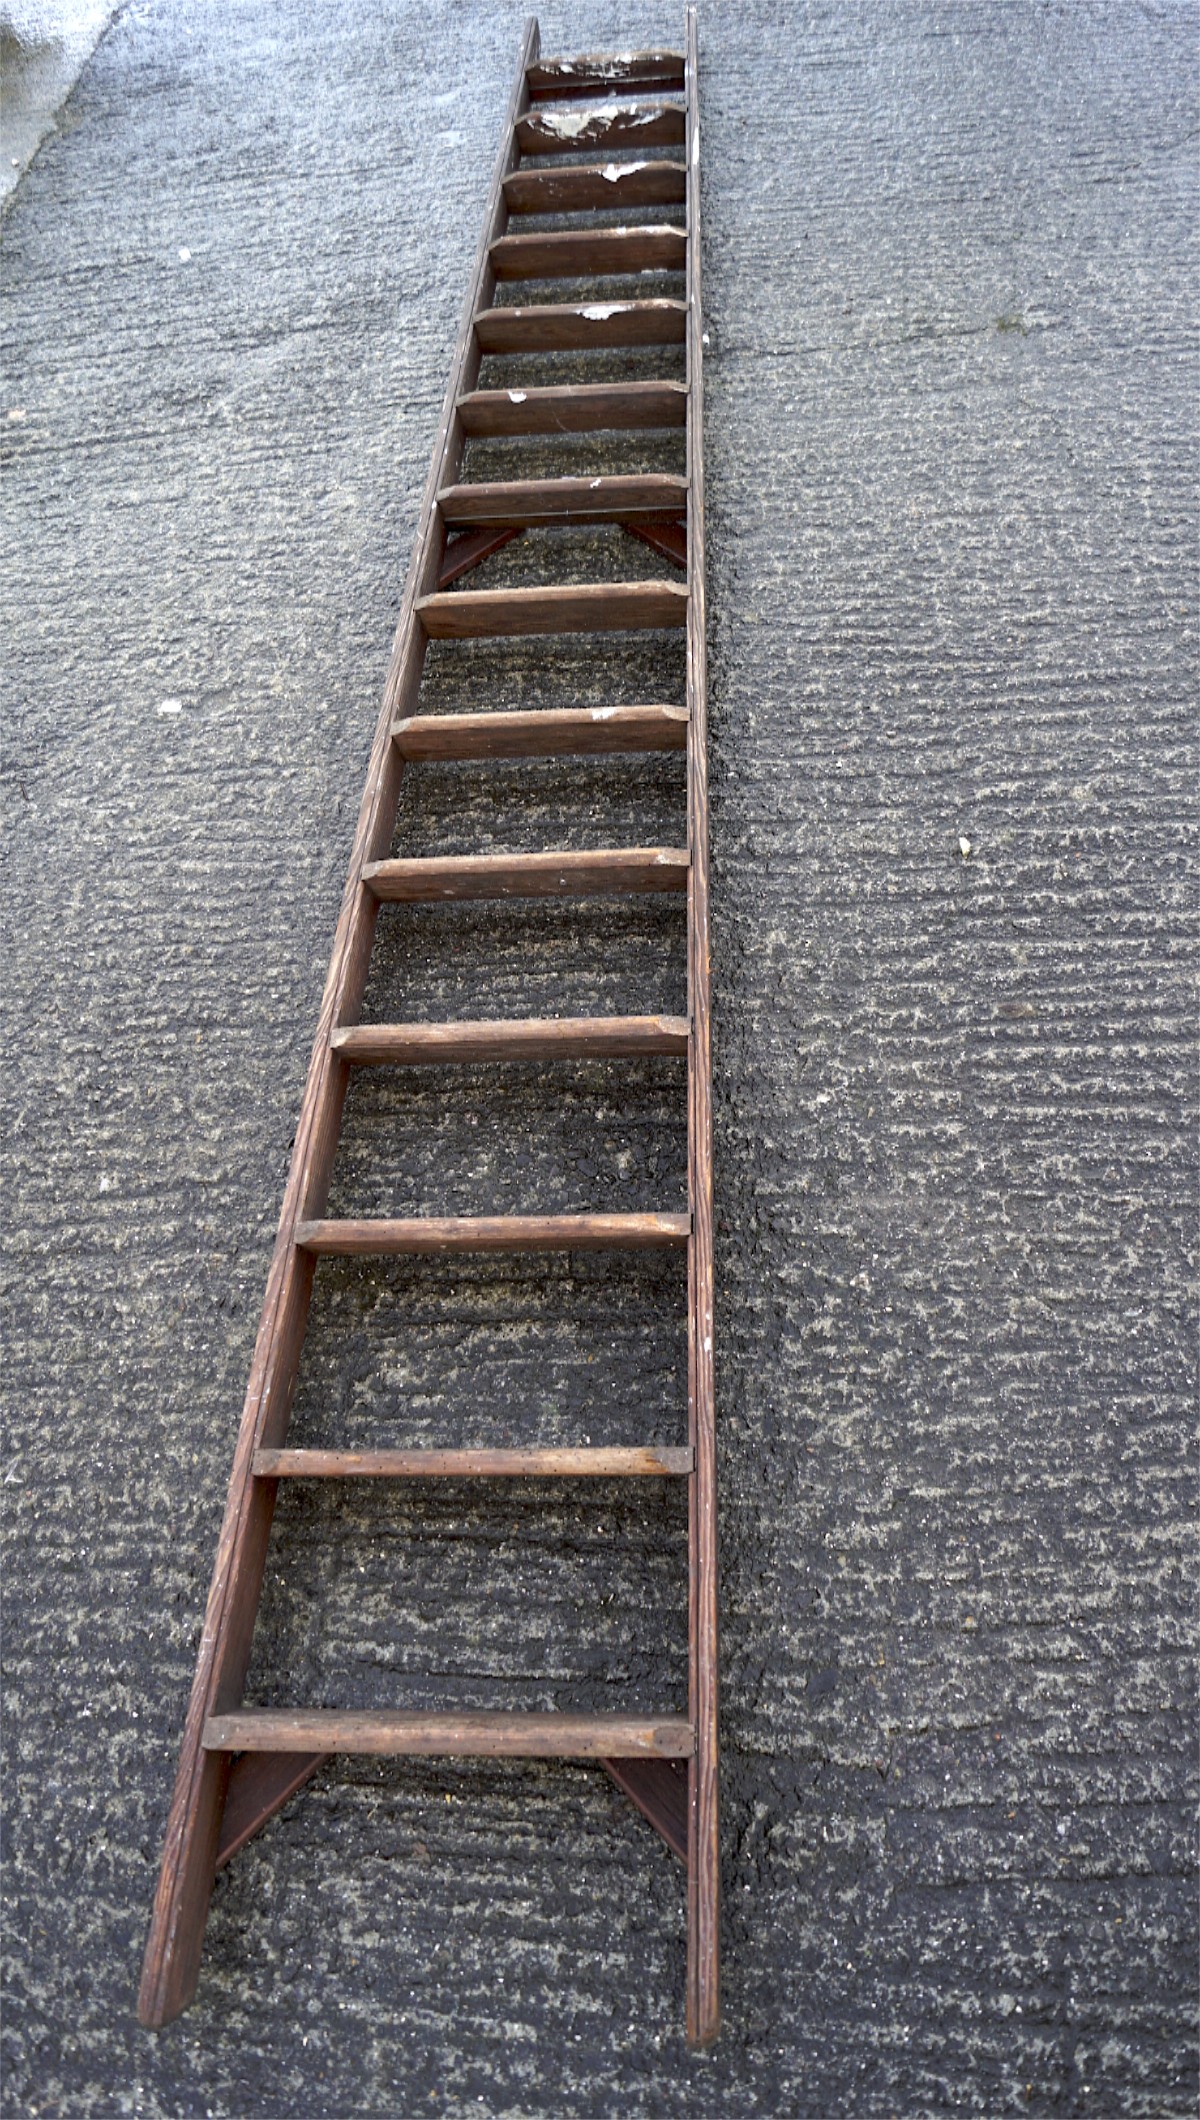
(533, 1038)
(556, 327)
(453, 1233)
(574, 408)
(579, 187)
(571, 252)
(600, 1464)
(550, 732)
(471, 1733)
(528, 502)
(563, 132)
(600, 871)
(589, 607)
(598, 73)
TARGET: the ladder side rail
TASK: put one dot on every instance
(703, 1914)
(172, 1958)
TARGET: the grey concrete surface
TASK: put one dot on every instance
(949, 278)
(44, 46)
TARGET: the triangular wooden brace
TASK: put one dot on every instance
(259, 1785)
(659, 1789)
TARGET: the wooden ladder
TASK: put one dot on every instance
(581, 135)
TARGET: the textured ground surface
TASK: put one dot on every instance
(44, 45)
(948, 286)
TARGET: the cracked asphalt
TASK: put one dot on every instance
(949, 258)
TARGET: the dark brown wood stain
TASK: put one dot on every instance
(239, 1764)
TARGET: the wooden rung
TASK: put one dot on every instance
(599, 1464)
(533, 1038)
(574, 408)
(598, 73)
(564, 132)
(550, 732)
(589, 607)
(578, 187)
(596, 873)
(454, 1233)
(568, 253)
(471, 1733)
(533, 502)
(556, 327)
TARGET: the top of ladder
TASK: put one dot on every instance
(600, 73)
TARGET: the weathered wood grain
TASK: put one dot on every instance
(563, 327)
(583, 1463)
(529, 1038)
(659, 1790)
(598, 73)
(574, 408)
(605, 499)
(572, 252)
(670, 539)
(439, 1235)
(703, 1983)
(606, 870)
(552, 132)
(463, 553)
(591, 607)
(260, 1783)
(489, 1736)
(573, 188)
(548, 732)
